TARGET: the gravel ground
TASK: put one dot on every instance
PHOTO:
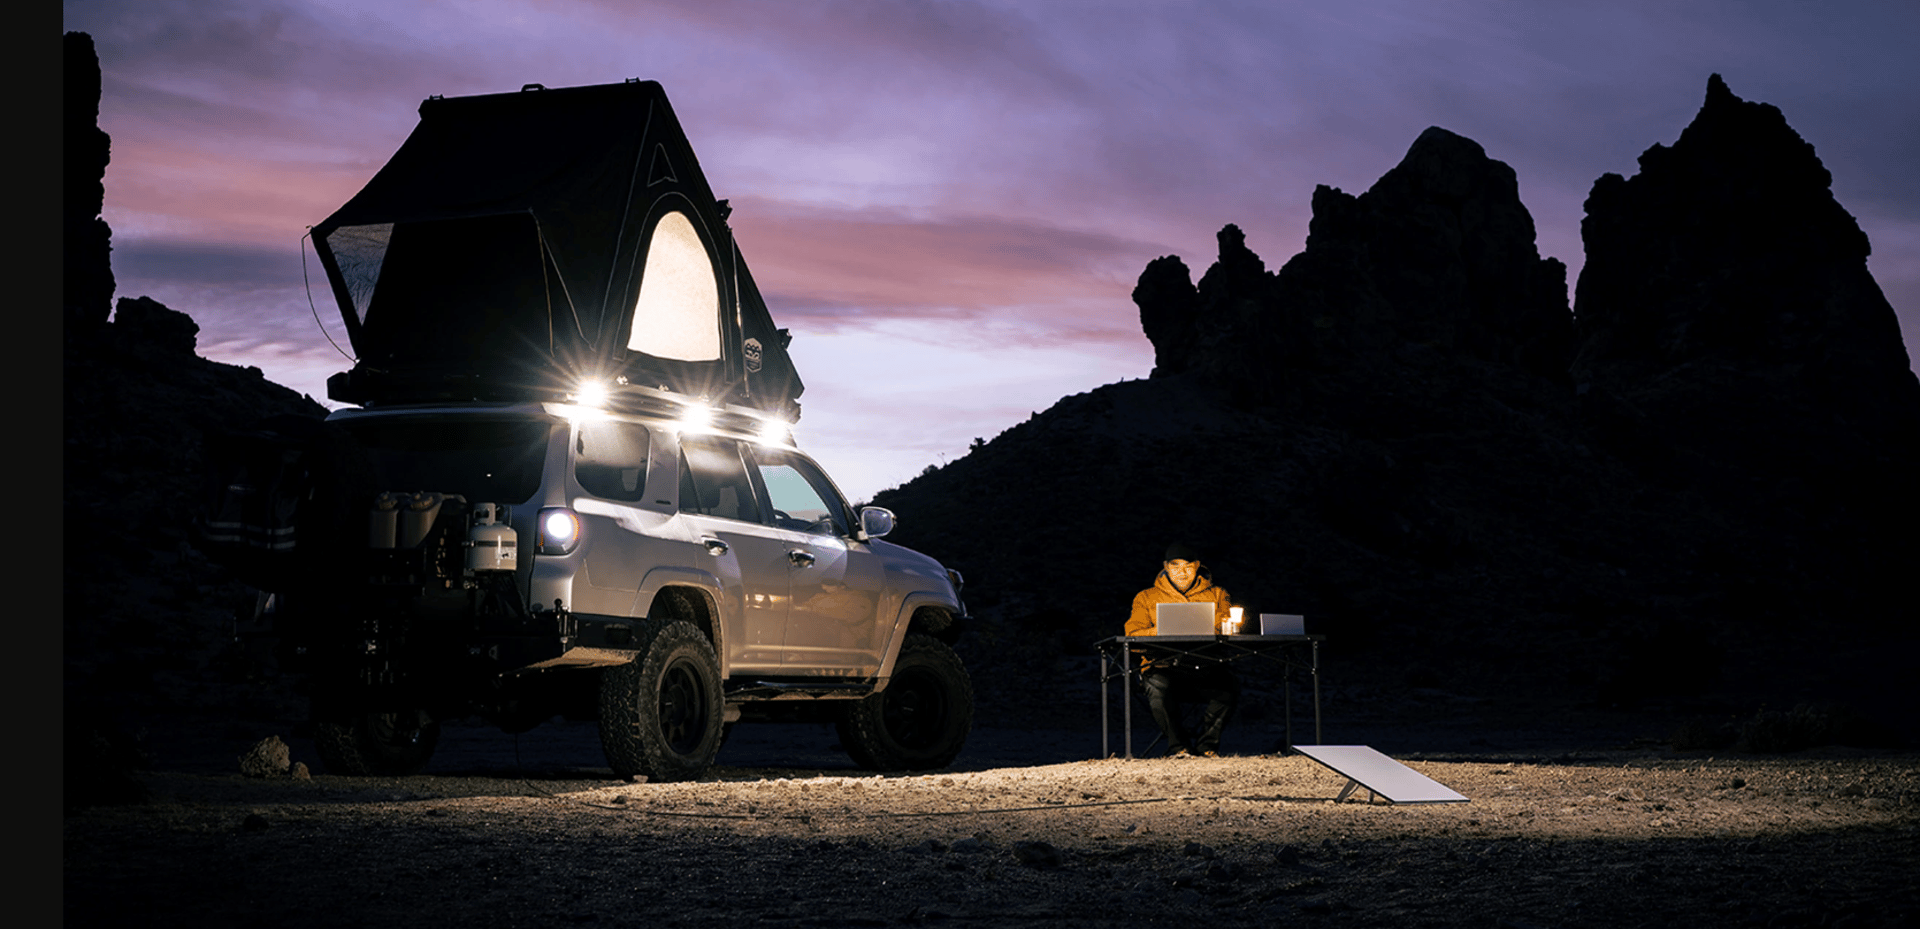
(532, 831)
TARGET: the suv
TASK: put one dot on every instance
(666, 568)
(570, 485)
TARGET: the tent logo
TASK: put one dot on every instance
(751, 349)
(660, 170)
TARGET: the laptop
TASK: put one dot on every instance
(1183, 619)
(1282, 624)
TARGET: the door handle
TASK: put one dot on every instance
(801, 558)
(715, 547)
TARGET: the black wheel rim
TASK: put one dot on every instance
(683, 707)
(915, 710)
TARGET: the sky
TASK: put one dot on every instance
(949, 202)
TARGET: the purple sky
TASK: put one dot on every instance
(949, 202)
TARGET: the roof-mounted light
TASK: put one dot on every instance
(696, 418)
(775, 431)
(590, 393)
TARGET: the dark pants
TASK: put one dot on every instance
(1214, 683)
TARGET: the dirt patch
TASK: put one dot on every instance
(1597, 838)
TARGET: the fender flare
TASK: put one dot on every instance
(902, 623)
(660, 578)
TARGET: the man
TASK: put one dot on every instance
(1168, 680)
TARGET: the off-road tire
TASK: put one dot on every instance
(660, 713)
(921, 720)
(384, 744)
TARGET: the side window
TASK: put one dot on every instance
(610, 460)
(802, 497)
(713, 480)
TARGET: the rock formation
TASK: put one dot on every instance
(1436, 260)
(1404, 434)
(1732, 341)
(146, 616)
(88, 284)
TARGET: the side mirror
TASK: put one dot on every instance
(875, 521)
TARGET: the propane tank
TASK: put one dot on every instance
(416, 519)
(492, 544)
(383, 522)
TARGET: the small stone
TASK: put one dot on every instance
(1196, 850)
(300, 772)
(1040, 855)
(969, 846)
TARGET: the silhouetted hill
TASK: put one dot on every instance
(1701, 494)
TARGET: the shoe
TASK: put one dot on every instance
(1179, 753)
(1210, 753)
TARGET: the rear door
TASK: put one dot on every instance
(718, 502)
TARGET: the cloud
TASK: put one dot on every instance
(822, 263)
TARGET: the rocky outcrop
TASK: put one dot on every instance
(88, 282)
(1436, 261)
(145, 615)
(1733, 342)
(1398, 434)
(146, 324)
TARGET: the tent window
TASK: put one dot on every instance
(678, 313)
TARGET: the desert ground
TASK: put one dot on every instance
(1582, 824)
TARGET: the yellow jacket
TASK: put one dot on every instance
(1162, 591)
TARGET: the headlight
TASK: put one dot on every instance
(559, 531)
(953, 577)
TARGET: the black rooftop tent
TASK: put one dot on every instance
(518, 243)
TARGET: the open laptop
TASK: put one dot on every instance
(1282, 624)
(1183, 619)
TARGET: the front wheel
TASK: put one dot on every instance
(660, 713)
(921, 720)
(375, 742)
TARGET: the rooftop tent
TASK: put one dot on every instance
(519, 242)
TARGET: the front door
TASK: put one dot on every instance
(835, 582)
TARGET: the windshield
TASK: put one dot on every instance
(483, 460)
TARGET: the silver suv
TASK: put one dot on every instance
(571, 486)
(667, 568)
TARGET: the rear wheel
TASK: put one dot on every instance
(921, 720)
(377, 742)
(660, 713)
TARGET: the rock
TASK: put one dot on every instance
(1040, 855)
(1224, 872)
(968, 846)
(147, 324)
(1168, 308)
(254, 823)
(300, 773)
(88, 291)
(1197, 850)
(267, 758)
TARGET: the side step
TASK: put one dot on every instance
(775, 690)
